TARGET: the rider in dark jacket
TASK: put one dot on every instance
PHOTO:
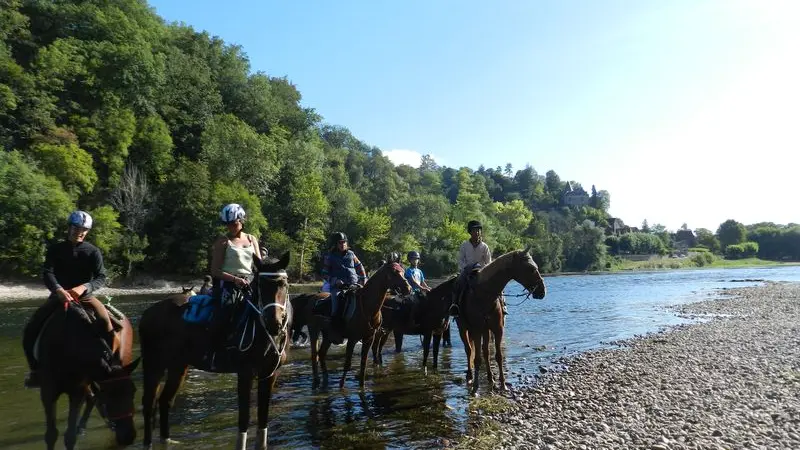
(341, 268)
(73, 270)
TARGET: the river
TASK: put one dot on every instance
(400, 407)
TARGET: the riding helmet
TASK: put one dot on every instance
(412, 255)
(231, 213)
(474, 224)
(80, 219)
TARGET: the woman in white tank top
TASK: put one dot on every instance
(232, 265)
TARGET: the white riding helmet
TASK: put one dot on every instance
(232, 212)
(80, 219)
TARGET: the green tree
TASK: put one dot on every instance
(707, 239)
(234, 151)
(34, 205)
(70, 164)
(731, 232)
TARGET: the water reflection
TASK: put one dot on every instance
(400, 407)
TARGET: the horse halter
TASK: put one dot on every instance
(283, 332)
(103, 408)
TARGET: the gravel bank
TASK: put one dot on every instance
(732, 382)
(16, 292)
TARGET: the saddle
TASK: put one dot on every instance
(466, 282)
(347, 308)
(405, 309)
(88, 345)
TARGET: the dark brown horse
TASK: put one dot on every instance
(165, 336)
(302, 306)
(361, 327)
(61, 374)
(433, 314)
(480, 311)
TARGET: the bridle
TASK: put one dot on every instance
(103, 406)
(260, 310)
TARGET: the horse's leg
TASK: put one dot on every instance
(313, 342)
(446, 337)
(398, 341)
(437, 339)
(151, 380)
(243, 388)
(498, 355)
(475, 344)
(323, 354)
(377, 358)
(175, 377)
(385, 338)
(75, 402)
(265, 385)
(426, 344)
(49, 400)
(91, 400)
(485, 358)
(365, 345)
(351, 344)
(467, 349)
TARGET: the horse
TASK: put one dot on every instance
(433, 316)
(165, 336)
(60, 373)
(480, 311)
(361, 327)
(302, 306)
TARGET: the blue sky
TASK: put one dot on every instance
(685, 111)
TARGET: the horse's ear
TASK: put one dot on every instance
(283, 263)
(528, 249)
(132, 366)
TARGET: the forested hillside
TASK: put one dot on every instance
(152, 127)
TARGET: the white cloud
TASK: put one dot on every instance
(404, 156)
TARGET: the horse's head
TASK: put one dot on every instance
(272, 290)
(391, 275)
(116, 404)
(526, 273)
(441, 297)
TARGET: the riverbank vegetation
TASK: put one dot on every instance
(152, 127)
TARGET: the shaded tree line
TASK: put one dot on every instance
(153, 126)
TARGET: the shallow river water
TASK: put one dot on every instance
(400, 407)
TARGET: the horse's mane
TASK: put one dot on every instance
(497, 265)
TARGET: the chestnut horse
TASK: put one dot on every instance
(61, 374)
(433, 313)
(480, 311)
(361, 327)
(165, 336)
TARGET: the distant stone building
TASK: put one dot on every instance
(616, 226)
(574, 197)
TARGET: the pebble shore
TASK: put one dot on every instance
(731, 382)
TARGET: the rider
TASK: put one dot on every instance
(414, 274)
(341, 268)
(73, 270)
(205, 289)
(232, 267)
(474, 253)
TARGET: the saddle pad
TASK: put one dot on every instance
(322, 307)
(200, 309)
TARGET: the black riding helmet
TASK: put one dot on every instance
(412, 255)
(474, 224)
(338, 236)
(394, 257)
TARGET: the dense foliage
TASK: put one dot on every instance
(153, 127)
